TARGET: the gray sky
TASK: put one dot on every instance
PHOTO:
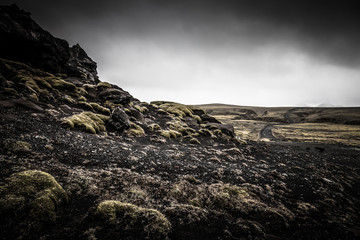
(244, 52)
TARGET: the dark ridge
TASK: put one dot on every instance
(23, 40)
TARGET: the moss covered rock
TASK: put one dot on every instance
(32, 196)
(177, 109)
(87, 121)
(170, 133)
(15, 146)
(133, 220)
(99, 108)
(135, 130)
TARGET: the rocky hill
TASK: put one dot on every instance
(84, 159)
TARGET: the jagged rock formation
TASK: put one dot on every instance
(25, 41)
(82, 159)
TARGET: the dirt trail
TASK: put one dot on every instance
(266, 132)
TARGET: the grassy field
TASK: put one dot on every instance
(319, 132)
(322, 125)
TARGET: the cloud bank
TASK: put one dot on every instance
(270, 53)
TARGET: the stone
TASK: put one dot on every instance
(119, 119)
(227, 129)
(137, 115)
(116, 96)
(206, 118)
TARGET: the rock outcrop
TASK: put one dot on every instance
(23, 40)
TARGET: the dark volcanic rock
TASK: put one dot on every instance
(119, 119)
(81, 65)
(225, 128)
(115, 95)
(210, 119)
(23, 40)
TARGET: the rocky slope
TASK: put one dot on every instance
(83, 159)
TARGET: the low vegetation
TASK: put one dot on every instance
(33, 194)
(319, 132)
(141, 222)
(86, 121)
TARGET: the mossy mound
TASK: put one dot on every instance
(153, 127)
(180, 127)
(129, 219)
(135, 130)
(16, 146)
(141, 109)
(188, 222)
(62, 85)
(99, 108)
(170, 133)
(177, 109)
(33, 196)
(87, 121)
(36, 84)
(103, 85)
(86, 106)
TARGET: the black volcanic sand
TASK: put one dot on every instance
(291, 191)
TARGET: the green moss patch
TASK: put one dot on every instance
(141, 109)
(62, 85)
(170, 133)
(137, 221)
(86, 106)
(99, 108)
(103, 85)
(135, 130)
(35, 83)
(82, 99)
(16, 146)
(177, 109)
(194, 140)
(34, 195)
(180, 127)
(86, 121)
(154, 127)
(69, 99)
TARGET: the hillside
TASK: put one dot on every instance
(84, 159)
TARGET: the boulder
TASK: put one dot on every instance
(138, 116)
(206, 118)
(119, 119)
(227, 129)
(114, 95)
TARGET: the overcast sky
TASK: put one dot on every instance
(252, 52)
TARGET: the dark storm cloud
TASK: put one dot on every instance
(328, 29)
(249, 52)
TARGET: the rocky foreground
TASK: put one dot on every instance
(83, 159)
